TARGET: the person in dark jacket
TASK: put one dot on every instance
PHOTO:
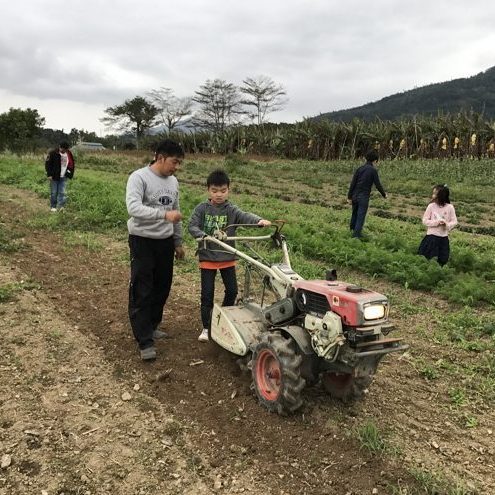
(217, 214)
(59, 166)
(360, 191)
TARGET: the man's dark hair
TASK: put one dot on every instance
(64, 145)
(218, 178)
(443, 194)
(168, 148)
(371, 156)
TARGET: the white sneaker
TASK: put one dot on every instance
(203, 336)
(53, 210)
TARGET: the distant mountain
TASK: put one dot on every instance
(475, 93)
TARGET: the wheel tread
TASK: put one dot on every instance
(289, 399)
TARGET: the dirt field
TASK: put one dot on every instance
(81, 414)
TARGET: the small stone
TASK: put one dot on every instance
(6, 461)
(217, 484)
(44, 492)
(161, 377)
(126, 396)
(34, 433)
(374, 491)
(434, 445)
(136, 387)
(167, 441)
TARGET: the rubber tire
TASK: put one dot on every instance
(282, 352)
(344, 386)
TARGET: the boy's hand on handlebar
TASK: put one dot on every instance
(220, 235)
(264, 223)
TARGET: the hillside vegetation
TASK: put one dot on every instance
(475, 93)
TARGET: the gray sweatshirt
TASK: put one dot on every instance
(207, 217)
(148, 196)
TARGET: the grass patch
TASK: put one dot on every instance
(8, 292)
(432, 483)
(457, 397)
(428, 371)
(87, 240)
(8, 241)
(371, 439)
(467, 329)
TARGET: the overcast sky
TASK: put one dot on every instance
(72, 59)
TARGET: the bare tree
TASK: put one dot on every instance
(220, 105)
(136, 114)
(172, 110)
(265, 95)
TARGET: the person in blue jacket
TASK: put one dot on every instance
(360, 191)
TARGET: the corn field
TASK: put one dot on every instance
(462, 136)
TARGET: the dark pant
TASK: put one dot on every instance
(359, 210)
(434, 246)
(152, 264)
(208, 291)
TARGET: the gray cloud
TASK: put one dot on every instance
(328, 54)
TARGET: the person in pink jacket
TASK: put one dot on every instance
(440, 219)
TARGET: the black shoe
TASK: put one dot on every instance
(148, 354)
(158, 334)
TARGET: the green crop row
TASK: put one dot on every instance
(314, 232)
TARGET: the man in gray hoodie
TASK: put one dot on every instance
(155, 238)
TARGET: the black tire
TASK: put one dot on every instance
(275, 368)
(345, 386)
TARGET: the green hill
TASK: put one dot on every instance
(475, 93)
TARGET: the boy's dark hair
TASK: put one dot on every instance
(443, 194)
(169, 148)
(218, 178)
(371, 156)
(64, 145)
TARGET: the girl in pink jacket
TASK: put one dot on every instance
(440, 219)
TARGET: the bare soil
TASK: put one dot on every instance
(81, 414)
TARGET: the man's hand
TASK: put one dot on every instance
(180, 254)
(264, 223)
(349, 201)
(173, 216)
